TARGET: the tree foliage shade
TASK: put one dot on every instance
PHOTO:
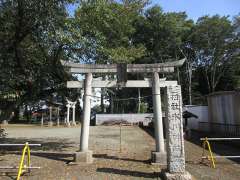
(35, 35)
(162, 34)
(31, 44)
(214, 40)
(109, 26)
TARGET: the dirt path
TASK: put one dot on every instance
(109, 163)
(131, 163)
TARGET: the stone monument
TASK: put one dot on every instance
(175, 139)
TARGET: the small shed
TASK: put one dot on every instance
(200, 115)
(224, 107)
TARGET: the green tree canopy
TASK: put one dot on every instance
(214, 41)
(32, 41)
(109, 27)
(162, 34)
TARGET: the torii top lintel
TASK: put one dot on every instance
(167, 67)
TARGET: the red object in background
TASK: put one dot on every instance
(36, 114)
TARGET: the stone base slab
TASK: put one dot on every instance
(178, 176)
(4, 122)
(83, 157)
(68, 124)
(73, 123)
(50, 124)
(159, 158)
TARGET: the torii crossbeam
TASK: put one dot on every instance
(167, 67)
(96, 83)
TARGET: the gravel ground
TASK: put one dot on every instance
(133, 162)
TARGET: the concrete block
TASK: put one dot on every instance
(159, 158)
(50, 123)
(68, 124)
(73, 123)
(178, 176)
(83, 157)
(4, 122)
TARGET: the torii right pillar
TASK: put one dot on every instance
(175, 141)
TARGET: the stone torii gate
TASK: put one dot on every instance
(72, 105)
(175, 142)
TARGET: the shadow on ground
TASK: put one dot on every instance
(105, 156)
(46, 144)
(10, 175)
(148, 130)
(129, 173)
(222, 148)
(64, 157)
(45, 151)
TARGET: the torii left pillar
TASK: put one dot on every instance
(68, 114)
(159, 156)
(85, 155)
(73, 113)
(50, 123)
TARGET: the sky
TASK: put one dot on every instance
(195, 8)
(198, 8)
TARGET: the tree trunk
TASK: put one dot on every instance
(111, 104)
(190, 83)
(178, 75)
(16, 114)
(139, 100)
(102, 102)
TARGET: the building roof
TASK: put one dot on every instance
(219, 93)
(187, 114)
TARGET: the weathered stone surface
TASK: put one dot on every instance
(131, 68)
(159, 158)
(73, 123)
(83, 157)
(178, 176)
(113, 83)
(158, 124)
(174, 126)
(4, 122)
(86, 113)
(72, 105)
(50, 123)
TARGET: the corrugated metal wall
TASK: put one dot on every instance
(224, 107)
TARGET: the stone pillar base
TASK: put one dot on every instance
(68, 124)
(159, 158)
(83, 157)
(73, 123)
(177, 176)
(4, 122)
(50, 124)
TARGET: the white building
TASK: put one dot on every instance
(95, 99)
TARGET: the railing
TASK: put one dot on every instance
(225, 130)
(22, 167)
(211, 157)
